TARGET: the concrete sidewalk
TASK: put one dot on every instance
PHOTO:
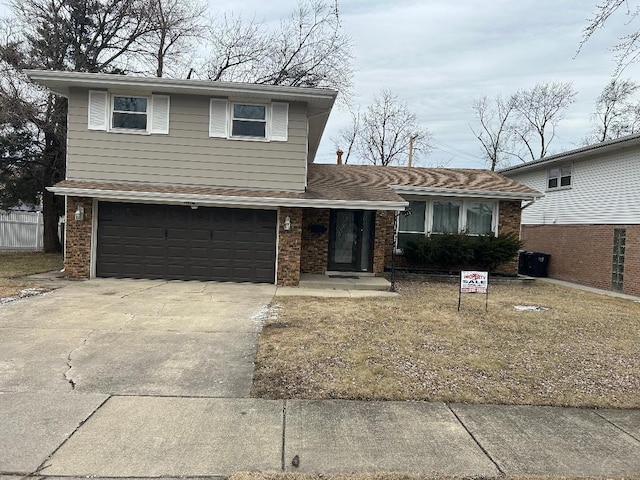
(76, 435)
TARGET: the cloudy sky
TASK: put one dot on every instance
(440, 55)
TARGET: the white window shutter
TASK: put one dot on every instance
(218, 123)
(279, 121)
(98, 110)
(159, 114)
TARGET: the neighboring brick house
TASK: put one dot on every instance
(189, 179)
(589, 218)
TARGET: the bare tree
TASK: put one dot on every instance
(538, 111)
(616, 115)
(494, 131)
(76, 35)
(387, 127)
(348, 136)
(628, 47)
(309, 49)
(176, 25)
(237, 48)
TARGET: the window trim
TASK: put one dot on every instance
(462, 217)
(559, 177)
(112, 110)
(267, 126)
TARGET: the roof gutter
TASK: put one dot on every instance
(224, 200)
(454, 192)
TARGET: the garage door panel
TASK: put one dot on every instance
(163, 241)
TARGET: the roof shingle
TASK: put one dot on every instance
(357, 183)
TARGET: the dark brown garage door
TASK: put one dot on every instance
(177, 242)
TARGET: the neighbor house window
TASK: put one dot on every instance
(479, 218)
(249, 121)
(559, 177)
(446, 217)
(411, 223)
(129, 113)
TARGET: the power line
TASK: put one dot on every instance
(454, 150)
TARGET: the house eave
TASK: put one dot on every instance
(225, 200)
(577, 154)
(463, 193)
(60, 82)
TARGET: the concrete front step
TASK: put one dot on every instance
(309, 281)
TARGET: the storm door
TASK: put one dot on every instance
(351, 240)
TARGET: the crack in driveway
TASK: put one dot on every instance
(67, 373)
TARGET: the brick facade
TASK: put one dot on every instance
(583, 253)
(304, 248)
(509, 218)
(77, 258)
(383, 247)
(289, 247)
(509, 215)
(315, 242)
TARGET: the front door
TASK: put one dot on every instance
(351, 240)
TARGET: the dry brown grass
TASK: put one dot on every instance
(14, 265)
(584, 351)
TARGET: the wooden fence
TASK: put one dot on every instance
(21, 231)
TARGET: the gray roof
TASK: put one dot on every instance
(329, 186)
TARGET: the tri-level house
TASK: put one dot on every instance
(589, 218)
(190, 179)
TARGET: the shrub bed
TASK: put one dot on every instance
(457, 251)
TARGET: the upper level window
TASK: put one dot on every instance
(129, 113)
(249, 121)
(559, 177)
(268, 122)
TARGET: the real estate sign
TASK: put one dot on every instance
(474, 282)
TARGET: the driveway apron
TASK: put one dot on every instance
(134, 337)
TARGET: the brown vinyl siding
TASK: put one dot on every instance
(186, 156)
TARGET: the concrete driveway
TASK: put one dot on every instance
(134, 337)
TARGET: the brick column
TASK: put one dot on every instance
(315, 242)
(77, 257)
(383, 241)
(289, 247)
(509, 222)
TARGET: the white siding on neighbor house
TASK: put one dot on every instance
(21, 231)
(187, 155)
(604, 190)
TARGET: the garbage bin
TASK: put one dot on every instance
(539, 264)
(524, 263)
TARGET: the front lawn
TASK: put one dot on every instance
(14, 265)
(583, 351)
